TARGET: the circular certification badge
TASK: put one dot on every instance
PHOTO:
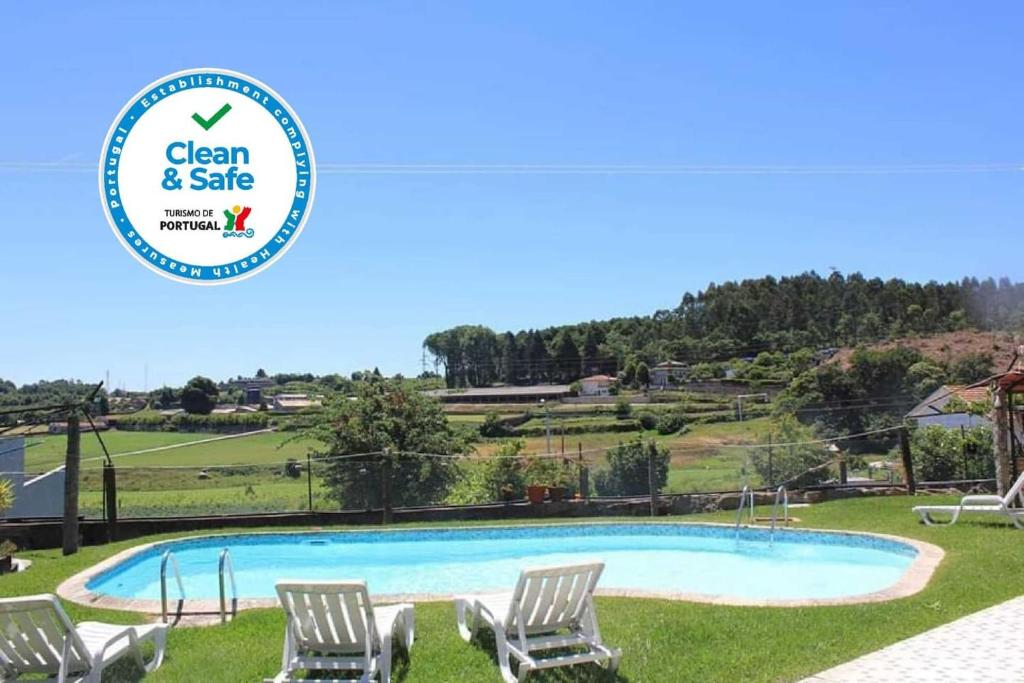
(207, 176)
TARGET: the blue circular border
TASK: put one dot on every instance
(181, 271)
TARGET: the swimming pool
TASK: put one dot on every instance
(692, 561)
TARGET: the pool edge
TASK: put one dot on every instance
(914, 579)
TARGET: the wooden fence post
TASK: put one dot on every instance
(652, 450)
(72, 460)
(908, 461)
(309, 480)
(584, 475)
(110, 498)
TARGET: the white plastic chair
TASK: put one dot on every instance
(333, 627)
(550, 608)
(37, 637)
(992, 505)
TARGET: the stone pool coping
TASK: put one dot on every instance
(914, 579)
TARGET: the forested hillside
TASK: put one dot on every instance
(729, 320)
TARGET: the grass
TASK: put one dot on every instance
(699, 463)
(258, 448)
(661, 640)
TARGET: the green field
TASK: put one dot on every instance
(259, 448)
(661, 640)
(247, 474)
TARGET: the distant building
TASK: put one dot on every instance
(83, 426)
(292, 403)
(596, 385)
(532, 394)
(228, 410)
(669, 373)
(933, 409)
(251, 387)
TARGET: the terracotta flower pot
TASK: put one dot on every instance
(557, 493)
(535, 494)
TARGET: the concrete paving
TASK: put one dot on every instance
(984, 646)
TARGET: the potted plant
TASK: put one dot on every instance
(508, 493)
(560, 478)
(7, 550)
(536, 476)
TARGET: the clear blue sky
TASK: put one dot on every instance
(386, 259)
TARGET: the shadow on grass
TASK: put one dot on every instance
(579, 673)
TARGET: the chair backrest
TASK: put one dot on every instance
(552, 598)
(1017, 490)
(36, 636)
(330, 617)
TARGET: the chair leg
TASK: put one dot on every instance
(409, 631)
(160, 646)
(468, 624)
(385, 658)
(505, 659)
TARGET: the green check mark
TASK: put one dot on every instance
(207, 124)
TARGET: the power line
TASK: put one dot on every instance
(598, 169)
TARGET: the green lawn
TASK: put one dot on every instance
(258, 448)
(661, 640)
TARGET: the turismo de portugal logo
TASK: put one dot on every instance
(207, 176)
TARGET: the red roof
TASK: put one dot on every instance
(971, 394)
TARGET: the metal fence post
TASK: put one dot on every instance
(309, 480)
(385, 486)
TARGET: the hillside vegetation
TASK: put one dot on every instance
(729, 320)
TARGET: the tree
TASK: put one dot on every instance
(942, 454)
(802, 464)
(199, 397)
(971, 368)
(385, 415)
(261, 373)
(628, 471)
(643, 374)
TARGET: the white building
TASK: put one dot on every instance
(669, 373)
(596, 385)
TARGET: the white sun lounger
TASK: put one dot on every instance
(333, 627)
(992, 505)
(38, 638)
(551, 607)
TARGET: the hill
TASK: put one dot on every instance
(947, 347)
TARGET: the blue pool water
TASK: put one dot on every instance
(652, 557)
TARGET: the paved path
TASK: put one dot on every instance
(984, 646)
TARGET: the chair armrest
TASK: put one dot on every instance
(981, 500)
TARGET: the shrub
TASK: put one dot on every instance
(647, 419)
(493, 478)
(623, 408)
(628, 473)
(670, 423)
(942, 454)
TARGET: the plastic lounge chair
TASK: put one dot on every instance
(37, 637)
(550, 608)
(333, 627)
(993, 505)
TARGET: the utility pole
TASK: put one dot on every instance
(72, 460)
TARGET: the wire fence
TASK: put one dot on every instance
(493, 474)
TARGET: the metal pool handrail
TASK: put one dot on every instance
(747, 499)
(225, 563)
(780, 494)
(168, 555)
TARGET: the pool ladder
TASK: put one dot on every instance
(223, 567)
(781, 495)
(747, 502)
